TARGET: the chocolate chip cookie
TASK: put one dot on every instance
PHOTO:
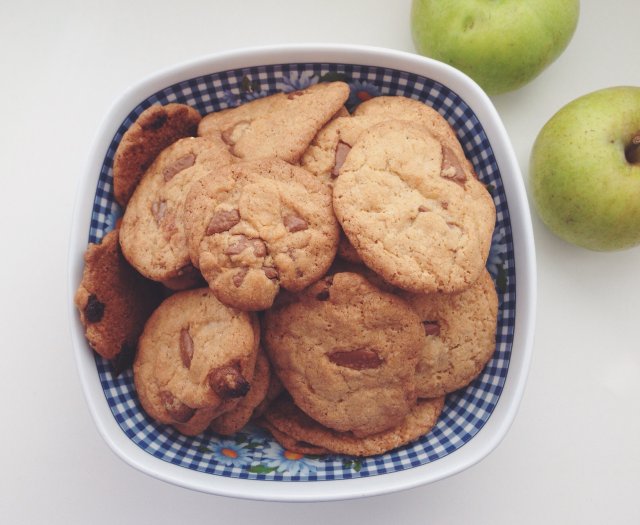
(280, 125)
(156, 128)
(196, 359)
(114, 301)
(412, 211)
(459, 336)
(347, 353)
(255, 226)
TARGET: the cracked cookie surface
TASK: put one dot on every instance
(280, 125)
(413, 213)
(258, 225)
(459, 336)
(153, 237)
(346, 352)
(156, 128)
(196, 360)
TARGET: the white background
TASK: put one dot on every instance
(573, 452)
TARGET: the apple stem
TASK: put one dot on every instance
(632, 151)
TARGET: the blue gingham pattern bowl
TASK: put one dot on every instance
(251, 464)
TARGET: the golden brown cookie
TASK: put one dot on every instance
(459, 336)
(196, 359)
(294, 424)
(113, 299)
(234, 420)
(156, 128)
(280, 125)
(153, 238)
(258, 225)
(346, 352)
(415, 215)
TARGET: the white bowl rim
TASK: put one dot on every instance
(504, 413)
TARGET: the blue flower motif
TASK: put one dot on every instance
(297, 80)
(276, 457)
(361, 91)
(229, 453)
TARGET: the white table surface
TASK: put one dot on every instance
(572, 454)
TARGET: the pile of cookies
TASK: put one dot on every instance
(318, 272)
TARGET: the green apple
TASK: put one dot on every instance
(585, 170)
(501, 44)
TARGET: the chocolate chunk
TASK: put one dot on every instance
(180, 164)
(293, 223)
(94, 310)
(359, 359)
(241, 244)
(228, 382)
(431, 327)
(186, 347)
(342, 150)
(222, 221)
(451, 167)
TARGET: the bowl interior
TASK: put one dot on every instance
(252, 454)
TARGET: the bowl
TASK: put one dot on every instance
(251, 464)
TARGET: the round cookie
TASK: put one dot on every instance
(259, 225)
(280, 125)
(234, 420)
(411, 210)
(288, 420)
(114, 301)
(346, 352)
(153, 238)
(459, 336)
(196, 359)
(156, 128)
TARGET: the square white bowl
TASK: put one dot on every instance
(252, 465)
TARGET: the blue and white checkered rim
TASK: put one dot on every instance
(252, 453)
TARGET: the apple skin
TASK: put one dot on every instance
(584, 183)
(501, 44)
